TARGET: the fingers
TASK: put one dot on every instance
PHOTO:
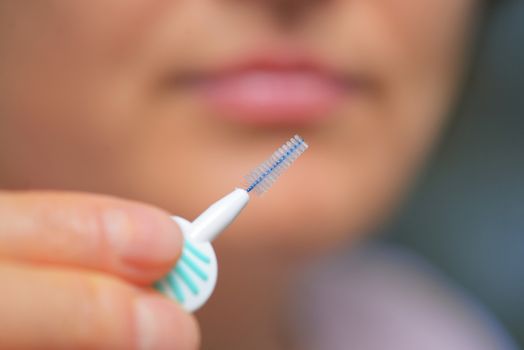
(44, 308)
(135, 241)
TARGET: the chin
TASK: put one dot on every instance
(292, 224)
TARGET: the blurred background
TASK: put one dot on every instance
(467, 214)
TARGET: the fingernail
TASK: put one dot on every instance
(143, 236)
(161, 324)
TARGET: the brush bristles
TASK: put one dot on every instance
(263, 177)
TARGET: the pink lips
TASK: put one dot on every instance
(273, 92)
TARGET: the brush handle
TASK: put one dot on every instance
(192, 281)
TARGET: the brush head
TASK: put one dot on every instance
(262, 178)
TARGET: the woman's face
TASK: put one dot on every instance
(172, 102)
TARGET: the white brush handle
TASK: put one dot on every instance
(192, 281)
(208, 225)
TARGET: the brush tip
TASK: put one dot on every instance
(262, 178)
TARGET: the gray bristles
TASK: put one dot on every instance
(262, 177)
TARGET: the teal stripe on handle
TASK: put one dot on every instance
(194, 267)
(193, 250)
(187, 279)
(173, 283)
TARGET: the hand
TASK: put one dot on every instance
(75, 271)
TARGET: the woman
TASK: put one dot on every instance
(170, 103)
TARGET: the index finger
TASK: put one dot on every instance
(135, 241)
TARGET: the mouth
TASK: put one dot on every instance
(274, 89)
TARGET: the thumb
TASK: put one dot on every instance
(42, 308)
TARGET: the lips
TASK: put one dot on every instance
(273, 91)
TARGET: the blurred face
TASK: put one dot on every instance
(172, 102)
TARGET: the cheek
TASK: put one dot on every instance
(116, 23)
(419, 47)
(415, 50)
(74, 29)
(62, 83)
(418, 30)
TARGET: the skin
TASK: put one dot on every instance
(84, 106)
(74, 272)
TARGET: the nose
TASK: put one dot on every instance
(288, 12)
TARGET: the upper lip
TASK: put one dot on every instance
(276, 62)
(284, 61)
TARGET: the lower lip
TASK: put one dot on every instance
(273, 97)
